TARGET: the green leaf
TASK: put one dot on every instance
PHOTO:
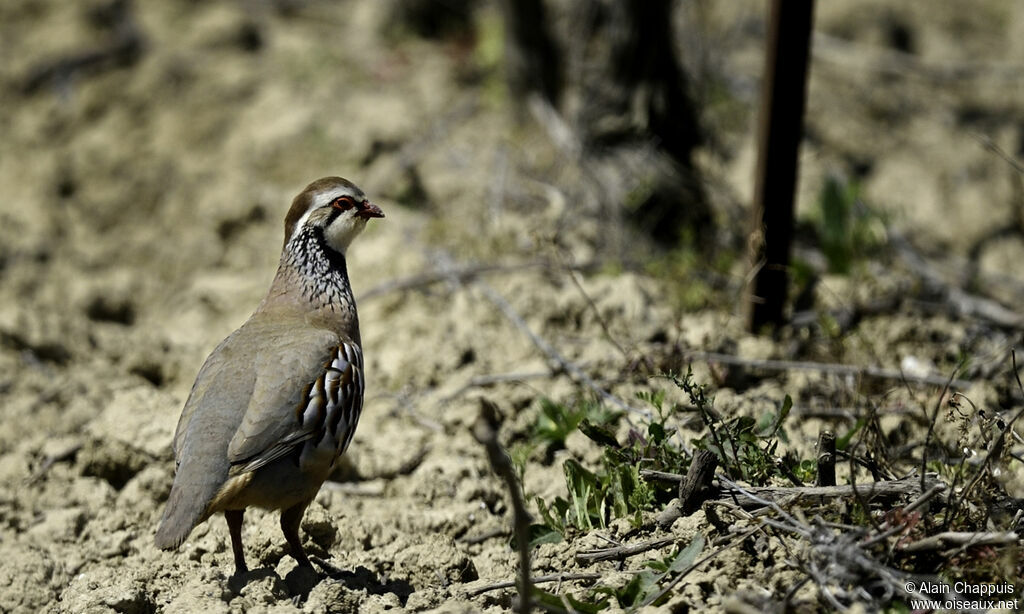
(598, 434)
(539, 534)
(765, 424)
(556, 524)
(637, 590)
(551, 602)
(787, 405)
(620, 485)
(583, 491)
(684, 560)
(844, 441)
(556, 421)
(744, 424)
(836, 224)
(657, 432)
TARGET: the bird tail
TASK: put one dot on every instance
(180, 516)
(193, 496)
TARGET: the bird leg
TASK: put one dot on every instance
(234, 518)
(290, 519)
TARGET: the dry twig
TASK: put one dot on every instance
(826, 458)
(951, 539)
(994, 452)
(461, 273)
(52, 460)
(486, 432)
(125, 47)
(961, 303)
(756, 496)
(563, 363)
(837, 369)
(484, 381)
(560, 362)
(562, 577)
(884, 60)
(838, 564)
(620, 552)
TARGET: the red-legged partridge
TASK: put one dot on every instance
(277, 402)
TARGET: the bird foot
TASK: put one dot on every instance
(301, 580)
(327, 568)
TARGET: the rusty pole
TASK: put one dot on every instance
(781, 127)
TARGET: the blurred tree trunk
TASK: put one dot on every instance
(634, 100)
(435, 19)
(533, 63)
(646, 67)
(781, 129)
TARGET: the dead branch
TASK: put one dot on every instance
(835, 561)
(662, 476)
(837, 369)
(951, 539)
(375, 488)
(486, 381)
(757, 496)
(575, 277)
(66, 454)
(991, 146)
(559, 361)
(562, 577)
(482, 537)
(485, 430)
(961, 303)
(826, 458)
(621, 552)
(852, 413)
(995, 451)
(931, 427)
(447, 271)
(461, 273)
(694, 489)
(889, 531)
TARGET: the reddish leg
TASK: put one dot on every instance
(234, 518)
(290, 519)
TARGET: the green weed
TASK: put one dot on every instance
(847, 230)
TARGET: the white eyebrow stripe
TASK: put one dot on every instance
(325, 197)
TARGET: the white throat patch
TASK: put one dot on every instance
(342, 230)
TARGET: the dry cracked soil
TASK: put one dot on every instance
(141, 201)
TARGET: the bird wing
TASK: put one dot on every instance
(242, 410)
(307, 387)
(223, 379)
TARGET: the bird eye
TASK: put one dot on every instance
(343, 202)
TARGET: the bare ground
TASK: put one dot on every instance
(140, 222)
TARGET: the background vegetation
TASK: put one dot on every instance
(562, 244)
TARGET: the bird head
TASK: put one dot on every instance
(333, 207)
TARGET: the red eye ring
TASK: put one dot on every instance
(343, 202)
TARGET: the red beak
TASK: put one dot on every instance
(366, 210)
